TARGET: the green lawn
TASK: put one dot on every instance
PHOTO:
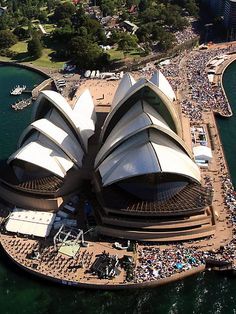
(45, 60)
(20, 47)
(116, 54)
(49, 27)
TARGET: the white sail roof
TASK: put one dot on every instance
(126, 82)
(84, 107)
(58, 136)
(140, 116)
(83, 126)
(58, 120)
(45, 157)
(161, 82)
(141, 154)
(131, 164)
(132, 91)
(127, 160)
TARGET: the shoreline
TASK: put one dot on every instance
(26, 66)
(220, 74)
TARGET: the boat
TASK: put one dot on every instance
(17, 90)
(21, 104)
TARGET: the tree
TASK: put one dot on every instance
(166, 41)
(63, 35)
(143, 5)
(43, 17)
(127, 42)
(35, 47)
(3, 22)
(144, 32)
(65, 23)
(21, 33)
(7, 39)
(107, 6)
(64, 11)
(85, 54)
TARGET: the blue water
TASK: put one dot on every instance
(227, 127)
(21, 293)
(13, 122)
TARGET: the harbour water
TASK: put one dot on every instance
(13, 122)
(22, 293)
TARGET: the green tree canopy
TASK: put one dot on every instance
(21, 33)
(127, 41)
(64, 11)
(7, 39)
(35, 47)
(85, 54)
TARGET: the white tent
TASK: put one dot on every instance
(30, 222)
(202, 153)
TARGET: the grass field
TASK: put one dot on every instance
(20, 47)
(46, 60)
(116, 55)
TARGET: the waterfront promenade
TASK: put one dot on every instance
(154, 264)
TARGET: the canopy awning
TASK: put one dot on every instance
(30, 222)
(202, 153)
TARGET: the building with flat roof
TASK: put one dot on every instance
(146, 180)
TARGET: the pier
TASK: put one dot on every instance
(44, 85)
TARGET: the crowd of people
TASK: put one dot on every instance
(228, 251)
(155, 263)
(188, 33)
(203, 95)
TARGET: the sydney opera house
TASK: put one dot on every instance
(146, 180)
(147, 185)
(48, 162)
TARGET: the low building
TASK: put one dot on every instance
(130, 27)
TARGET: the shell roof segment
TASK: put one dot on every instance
(141, 134)
(147, 91)
(80, 119)
(57, 141)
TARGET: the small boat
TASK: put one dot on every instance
(21, 104)
(17, 90)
